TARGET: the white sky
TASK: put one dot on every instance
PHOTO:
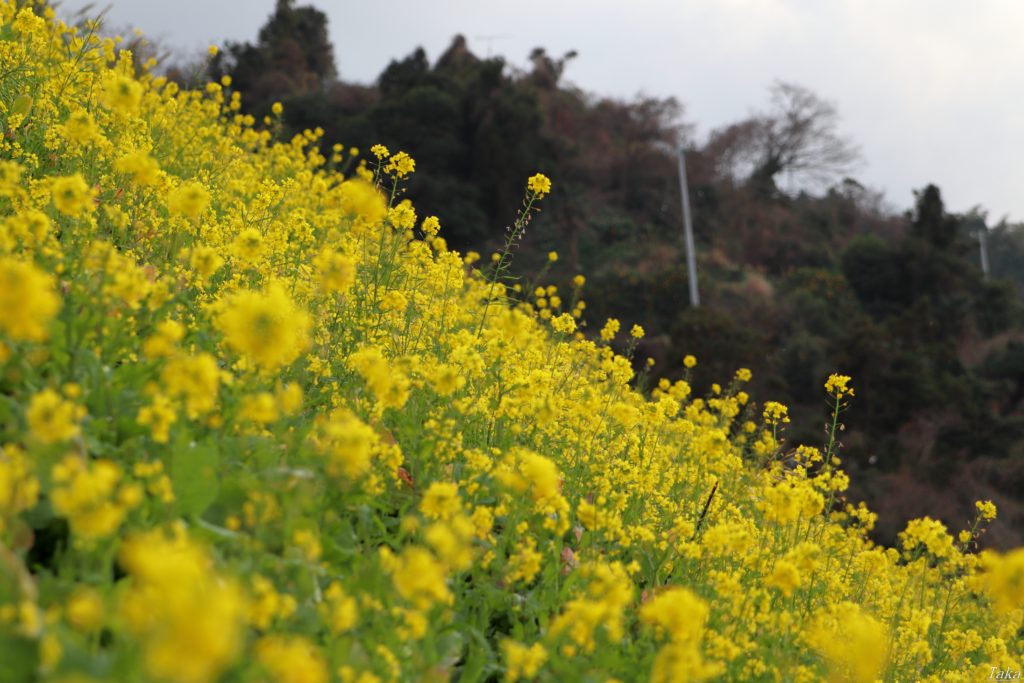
(932, 90)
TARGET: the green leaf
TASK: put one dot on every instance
(194, 476)
(18, 658)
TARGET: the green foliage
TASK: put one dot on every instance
(193, 470)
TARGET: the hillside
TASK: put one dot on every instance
(802, 269)
(260, 423)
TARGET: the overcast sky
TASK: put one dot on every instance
(932, 90)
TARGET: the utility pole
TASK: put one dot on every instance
(691, 254)
(983, 240)
(976, 225)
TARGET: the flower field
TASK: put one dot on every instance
(258, 423)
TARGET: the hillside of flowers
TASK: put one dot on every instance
(258, 423)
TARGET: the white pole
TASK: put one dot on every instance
(983, 238)
(691, 254)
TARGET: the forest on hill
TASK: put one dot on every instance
(803, 270)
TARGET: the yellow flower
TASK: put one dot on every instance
(205, 261)
(838, 386)
(122, 94)
(28, 301)
(248, 244)
(85, 610)
(446, 379)
(789, 501)
(744, 375)
(19, 489)
(189, 199)
(524, 562)
(418, 576)
(610, 329)
(80, 128)
(689, 361)
(430, 226)
(539, 185)
(277, 108)
(775, 413)
(785, 576)
(159, 415)
(289, 398)
(307, 541)
(452, 541)
(1003, 579)
(196, 379)
(541, 476)
(265, 327)
(608, 592)
(164, 340)
(403, 216)
(349, 444)
(176, 602)
(564, 323)
(400, 165)
(552, 256)
(853, 643)
(441, 501)
(394, 300)
(267, 604)
(143, 168)
(636, 332)
(51, 419)
(339, 609)
(337, 271)
(677, 613)
(986, 509)
(522, 661)
(260, 408)
(927, 534)
(379, 151)
(72, 195)
(389, 385)
(86, 494)
(683, 661)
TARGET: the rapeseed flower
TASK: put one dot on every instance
(189, 199)
(265, 327)
(291, 660)
(418, 576)
(72, 195)
(539, 184)
(122, 94)
(28, 300)
(265, 382)
(53, 419)
(522, 661)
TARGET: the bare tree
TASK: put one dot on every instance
(796, 138)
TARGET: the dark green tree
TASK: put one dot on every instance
(931, 222)
(291, 56)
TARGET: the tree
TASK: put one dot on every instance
(797, 137)
(931, 222)
(292, 56)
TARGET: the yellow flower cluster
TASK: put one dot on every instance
(539, 185)
(255, 425)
